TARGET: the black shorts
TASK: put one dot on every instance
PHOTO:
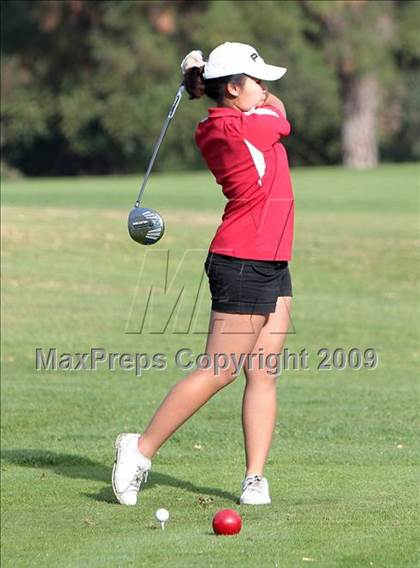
(243, 286)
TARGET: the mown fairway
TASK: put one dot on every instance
(344, 469)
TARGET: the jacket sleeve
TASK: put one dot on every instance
(264, 126)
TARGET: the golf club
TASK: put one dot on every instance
(145, 225)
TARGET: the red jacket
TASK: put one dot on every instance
(244, 153)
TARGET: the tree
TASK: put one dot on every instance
(400, 124)
(356, 37)
(86, 84)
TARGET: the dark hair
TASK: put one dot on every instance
(196, 86)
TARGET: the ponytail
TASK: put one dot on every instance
(196, 85)
(194, 82)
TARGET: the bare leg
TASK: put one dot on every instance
(259, 405)
(228, 333)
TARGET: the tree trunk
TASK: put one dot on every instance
(358, 127)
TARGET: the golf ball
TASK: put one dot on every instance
(162, 515)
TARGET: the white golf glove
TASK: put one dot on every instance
(192, 59)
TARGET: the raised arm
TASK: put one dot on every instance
(275, 101)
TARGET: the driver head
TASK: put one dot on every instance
(145, 225)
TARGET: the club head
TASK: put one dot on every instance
(145, 225)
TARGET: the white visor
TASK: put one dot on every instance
(235, 58)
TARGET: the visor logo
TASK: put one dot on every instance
(254, 56)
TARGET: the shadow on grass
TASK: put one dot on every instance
(79, 467)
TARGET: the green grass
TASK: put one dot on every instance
(344, 468)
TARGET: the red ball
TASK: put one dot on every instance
(227, 521)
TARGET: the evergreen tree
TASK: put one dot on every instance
(86, 85)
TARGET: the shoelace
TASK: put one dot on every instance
(141, 475)
(254, 483)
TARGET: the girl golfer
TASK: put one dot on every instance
(247, 263)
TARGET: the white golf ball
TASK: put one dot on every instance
(162, 515)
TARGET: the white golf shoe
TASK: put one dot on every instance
(255, 491)
(130, 469)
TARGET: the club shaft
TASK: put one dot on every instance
(159, 142)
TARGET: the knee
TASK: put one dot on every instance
(262, 379)
(222, 377)
(220, 370)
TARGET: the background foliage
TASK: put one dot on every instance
(86, 84)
